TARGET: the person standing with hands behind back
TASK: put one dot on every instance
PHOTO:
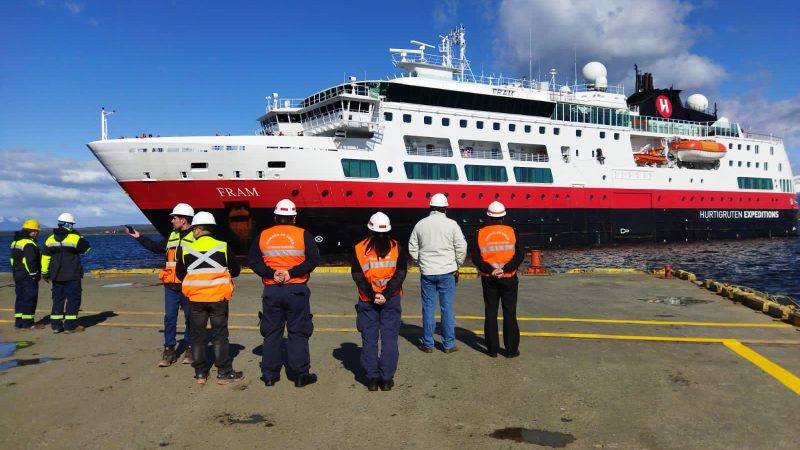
(284, 257)
(437, 244)
(497, 257)
(379, 268)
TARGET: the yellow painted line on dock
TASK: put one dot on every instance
(787, 378)
(469, 317)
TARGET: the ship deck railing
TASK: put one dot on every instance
(481, 153)
(684, 128)
(531, 157)
(429, 151)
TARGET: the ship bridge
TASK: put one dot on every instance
(347, 110)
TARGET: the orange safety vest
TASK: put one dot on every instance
(167, 274)
(378, 271)
(497, 246)
(283, 247)
(207, 278)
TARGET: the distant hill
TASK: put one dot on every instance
(8, 227)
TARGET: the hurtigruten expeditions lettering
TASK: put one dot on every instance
(738, 214)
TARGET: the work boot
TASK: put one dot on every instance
(230, 377)
(372, 384)
(187, 356)
(305, 379)
(200, 378)
(387, 385)
(168, 357)
(78, 329)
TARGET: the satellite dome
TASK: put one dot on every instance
(565, 90)
(697, 102)
(723, 119)
(601, 83)
(592, 71)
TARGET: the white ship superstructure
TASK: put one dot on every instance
(581, 164)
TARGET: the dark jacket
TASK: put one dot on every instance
(29, 255)
(61, 255)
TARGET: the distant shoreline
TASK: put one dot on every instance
(90, 231)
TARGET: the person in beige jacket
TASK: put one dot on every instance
(437, 244)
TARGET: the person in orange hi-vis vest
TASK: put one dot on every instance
(174, 300)
(284, 256)
(378, 269)
(497, 257)
(206, 270)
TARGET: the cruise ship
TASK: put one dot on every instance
(580, 164)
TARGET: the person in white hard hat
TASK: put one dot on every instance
(437, 244)
(378, 269)
(174, 300)
(61, 264)
(206, 270)
(497, 256)
(284, 257)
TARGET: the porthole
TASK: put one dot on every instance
(555, 196)
(604, 177)
(480, 195)
(389, 169)
(591, 196)
(348, 193)
(566, 197)
(542, 197)
(390, 194)
(427, 195)
(604, 196)
(325, 193)
(463, 195)
(513, 196)
(409, 194)
(369, 193)
(295, 193)
(527, 196)
(496, 196)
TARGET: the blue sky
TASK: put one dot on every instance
(201, 67)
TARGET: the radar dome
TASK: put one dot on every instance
(601, 83)
(723, 119)
(565, 90)
(697, 102)
(592, 71)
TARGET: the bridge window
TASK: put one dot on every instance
(486, 173)
(430, 171)
(359, 168)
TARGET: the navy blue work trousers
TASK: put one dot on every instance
(379, 322)
(27, 290)
(287, 307)
(66, 304)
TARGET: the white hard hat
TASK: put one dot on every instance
(203, 218)
(66, 217)
(182, 209)
(496, 209)
(439, 200)
(379, 222)
(285, 207)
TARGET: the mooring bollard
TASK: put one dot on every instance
(535, 267)
(668, 271)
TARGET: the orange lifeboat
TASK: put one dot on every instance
(653, 156)
(698, 150)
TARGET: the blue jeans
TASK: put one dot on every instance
(379, 322)
(445, 285)
(173, 301)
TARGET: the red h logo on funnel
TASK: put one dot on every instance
(663, 106)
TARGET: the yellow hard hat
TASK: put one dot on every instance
(31, 224)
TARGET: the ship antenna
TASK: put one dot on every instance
(530, 54)
(575, 62)
(104, 123)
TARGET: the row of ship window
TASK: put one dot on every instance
(479, 124)
(747, 147)
(750, 164)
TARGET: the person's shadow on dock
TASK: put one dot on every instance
(413, 334)
(349, 354)
(86, 321)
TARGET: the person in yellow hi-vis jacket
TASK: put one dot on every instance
(25, 264)
(61, 265)
(206, 271)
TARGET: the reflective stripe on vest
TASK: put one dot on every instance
(70, 242)
(211, 282)
(18, 248)
(377, 271)
(283, 247)
(497, 246)
(167, 274)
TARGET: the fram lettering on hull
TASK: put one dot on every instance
(237, 192)
(736, 214)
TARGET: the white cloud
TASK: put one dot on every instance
(650, 33)
(444, 12)
(42, 185)
(757, 114)
(74, 8)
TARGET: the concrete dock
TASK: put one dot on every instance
(623, 361)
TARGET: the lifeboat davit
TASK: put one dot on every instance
(698, 150)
